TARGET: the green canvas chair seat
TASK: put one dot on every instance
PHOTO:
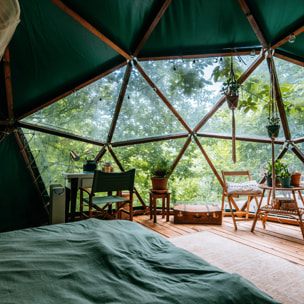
(100, 198)
(106, 199)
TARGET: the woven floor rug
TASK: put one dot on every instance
(279, 278)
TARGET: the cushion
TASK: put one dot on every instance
(246, 188)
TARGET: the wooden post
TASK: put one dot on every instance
(253, 22)
(90, 27)
(273, 172)
(155, 21)
(298, 153)
(278, 97)
(28, 164)
(119, 101)
(233, 138)
(162, 96)
(181, 153)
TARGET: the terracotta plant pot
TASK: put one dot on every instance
(295, 179)
(278, 183)
(159, 183)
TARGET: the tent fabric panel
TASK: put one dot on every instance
(57, 54)
(3, 103)
(20, 202)
(296, 49)
(196, 27)
(277, 19)
(122, 21)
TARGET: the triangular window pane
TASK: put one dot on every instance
(252, 112)
(87, 112)
(143, 157)
(52, 155)
(193, 85)
(143, 113)
(187, 84)
(291, 80)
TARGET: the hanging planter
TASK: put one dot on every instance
(273, 127)
(231, 91)
(232, 101)
(273, 130)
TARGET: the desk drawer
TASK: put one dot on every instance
(86, 182)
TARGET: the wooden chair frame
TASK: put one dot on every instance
(104, 182)
(244, 210)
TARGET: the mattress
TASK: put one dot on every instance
(96, 261)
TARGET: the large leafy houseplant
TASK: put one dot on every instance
(285, 176)
(281, 171)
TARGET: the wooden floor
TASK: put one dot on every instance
(278, 239)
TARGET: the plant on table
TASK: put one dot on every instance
(281, 171)
(160, 173)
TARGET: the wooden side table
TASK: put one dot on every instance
(295, 212)
(165, 196)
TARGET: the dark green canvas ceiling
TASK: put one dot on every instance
(60, 45)
(52, 53)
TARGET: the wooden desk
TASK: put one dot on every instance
(295, 212)
(72, 183)
(153, 198)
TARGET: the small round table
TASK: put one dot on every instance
(165, 196)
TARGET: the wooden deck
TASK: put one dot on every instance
(282, 240)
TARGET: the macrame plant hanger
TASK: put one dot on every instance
(232, 97)
(273, 127)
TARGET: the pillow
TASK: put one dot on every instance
(246, 188)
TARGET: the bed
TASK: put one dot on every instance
(95, 261)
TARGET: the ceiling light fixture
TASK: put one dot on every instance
(292, 38)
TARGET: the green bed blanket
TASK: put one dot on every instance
(95, 261)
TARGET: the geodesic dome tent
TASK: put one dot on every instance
(126, 80)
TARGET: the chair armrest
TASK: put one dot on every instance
(88, 191)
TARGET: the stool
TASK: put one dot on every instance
(164, 195)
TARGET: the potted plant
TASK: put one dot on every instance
(230, 89)
(295, 177)
(159, 175)
(285, 176)
(267, 169)
(273, 127)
